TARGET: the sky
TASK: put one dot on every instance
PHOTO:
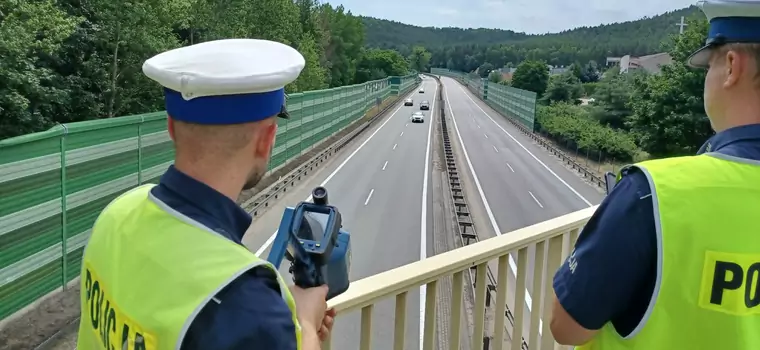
(530, 16)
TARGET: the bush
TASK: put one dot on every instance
(567, 122)
(589, 89)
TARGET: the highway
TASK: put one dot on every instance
(380, 185)
(513, 182)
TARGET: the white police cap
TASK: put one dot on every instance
(731, 21)
(227, 81)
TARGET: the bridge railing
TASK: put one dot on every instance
(53, 184)
(552, 241)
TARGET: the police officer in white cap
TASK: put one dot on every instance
(671, 258)
(165, 267)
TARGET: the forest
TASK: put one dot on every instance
(467, 49)
(70, 60)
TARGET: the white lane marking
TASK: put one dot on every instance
(385, 165)
(485, 135)
(535, 199)
(478, 126)
(510, 167)
(394, 146)
(329, 177)
(526, 150)
(494, 225)
(369, 196)
(407, 124)
(402, 134)
(423, 221)
(495, 149)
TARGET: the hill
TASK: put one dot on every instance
(455, 45)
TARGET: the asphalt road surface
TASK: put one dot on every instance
(517, 183)
(379, 186)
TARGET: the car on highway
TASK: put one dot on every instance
(418, 117)
(408, 102)
(424, 106)
(422, 90)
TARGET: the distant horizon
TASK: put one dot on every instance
(526, 16)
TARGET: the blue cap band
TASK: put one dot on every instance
(734, 30)
(225, 109)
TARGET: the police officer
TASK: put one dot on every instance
(165, 267)
(671, 258)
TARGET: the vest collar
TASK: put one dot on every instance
(227, 217)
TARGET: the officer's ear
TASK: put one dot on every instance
(170, 127)
(265, 132)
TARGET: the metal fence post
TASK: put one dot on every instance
(64, 222)
(139, 150)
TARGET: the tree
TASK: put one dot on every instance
(668, 108)
(485, 69)
(70, 60)
(28, 92)
(531, 76)
(563, 88)
(419, 60)
(612, 96)
(376, 64)
(495, 76)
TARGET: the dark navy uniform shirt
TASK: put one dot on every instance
(250, 311)
(616, 253)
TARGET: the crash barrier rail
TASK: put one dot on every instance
(54, 183)
(517, 111)
(551, 240)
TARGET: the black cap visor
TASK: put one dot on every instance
(701, 57)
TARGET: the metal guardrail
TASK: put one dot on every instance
(466, 226)
(259, 203)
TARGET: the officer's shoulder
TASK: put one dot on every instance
(122, 204)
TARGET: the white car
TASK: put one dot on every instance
(408, 102)
(418, 117)
(422, 90)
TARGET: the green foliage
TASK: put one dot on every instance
(612, 96)
(494, 76)
(68, 60)
(567, 122)
(531, 76)
(668, 108)
(589, 89)
(467, 49)
(563, 88)
(419, 60)
(376, 64)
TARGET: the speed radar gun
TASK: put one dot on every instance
(610, 180)
(312, 239)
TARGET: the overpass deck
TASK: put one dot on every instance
(391, 187)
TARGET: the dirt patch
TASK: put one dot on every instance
(42, 321)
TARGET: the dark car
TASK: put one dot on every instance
(424, 105)
(408, 102)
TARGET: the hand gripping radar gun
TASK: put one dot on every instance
(311, 238)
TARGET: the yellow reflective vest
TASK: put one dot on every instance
(707, 291)
(147, 271)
